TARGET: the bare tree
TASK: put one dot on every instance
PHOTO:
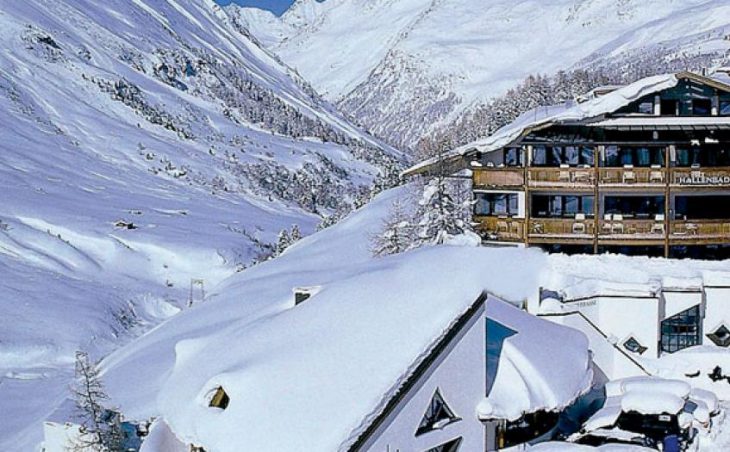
(100, 427)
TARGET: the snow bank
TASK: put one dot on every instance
(652, 385)
(544, 367)
(655, 402)
(161, 439)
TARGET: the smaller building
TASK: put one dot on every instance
(490, 377)
(647, 320)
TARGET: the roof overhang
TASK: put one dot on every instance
(664, 123)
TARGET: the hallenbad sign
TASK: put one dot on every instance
(699, 178)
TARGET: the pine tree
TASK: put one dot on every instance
(396, 235)
(295, 235)
(283, 242)
(100, 427)
(442, 211)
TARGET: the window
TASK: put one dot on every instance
(646, 108)
(669, 107)
(635, 346)
(681, 331)
(635, 206)
(451, 446)
(437, 416)
(554, 156)
(561, 205)
(725, 108)
(720, 337)
(701, 107)
(219, 399)
(513, 157)
(496, 204)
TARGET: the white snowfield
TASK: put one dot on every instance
(108, 210)
(312, 372)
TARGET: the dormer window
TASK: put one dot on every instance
(438, 415)
(220, 399)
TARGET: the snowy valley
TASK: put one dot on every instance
(416, 67)
(204, 220)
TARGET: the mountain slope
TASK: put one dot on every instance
(404, 68)
(145, 144)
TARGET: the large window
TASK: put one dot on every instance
(682, 330)
(561, 206)
(553, 156)
(635, 206)
(488, 204)
(707, 155)
(637, 156)
(513, 157)
(702, 207)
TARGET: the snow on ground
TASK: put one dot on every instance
(78, 164)
(239, 334)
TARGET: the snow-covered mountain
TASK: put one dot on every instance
(407, 67)
(144, 144)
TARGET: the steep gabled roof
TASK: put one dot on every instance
(543, 117)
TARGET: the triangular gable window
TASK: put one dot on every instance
(451, 446)
(437, 416)
(720, 337)
(220, 399)
(635, 346)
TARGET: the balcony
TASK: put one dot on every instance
(499, 177)
(700, 230)
(501, 228)
(629, 176)
(564, 177)
(579, 228)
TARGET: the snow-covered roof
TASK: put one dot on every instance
(544, 366)
(667, 122)
(595, 107)
(318, 373)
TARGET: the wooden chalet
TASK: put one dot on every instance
(641, 169)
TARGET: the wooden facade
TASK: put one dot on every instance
(630, 180)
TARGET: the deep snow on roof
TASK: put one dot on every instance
(285, 368)
(544, 366)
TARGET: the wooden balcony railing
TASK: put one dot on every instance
(561, 227)
(632, 229)
(499, 177)
(503, 229)
(703, 177)
(700, 229)
(632, 176)
(571, 177)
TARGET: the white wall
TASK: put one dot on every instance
(612, 362)
(717, 310)
(460, 375)
(676, 302)
(621, 318)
